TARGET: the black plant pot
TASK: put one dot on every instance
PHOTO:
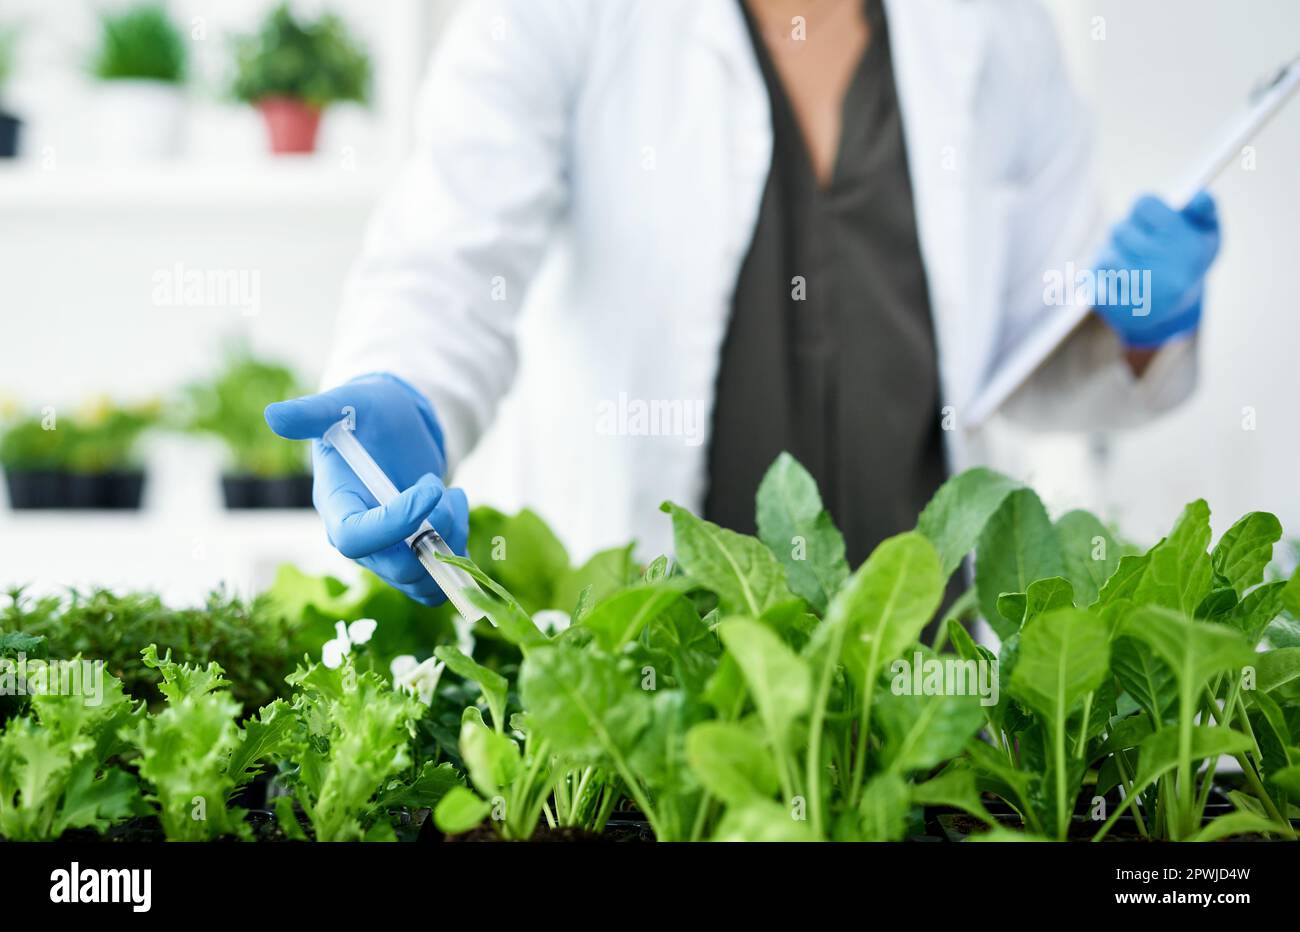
(244, 492)
(117, 490)
(9, 130)
(52, 488)
(34, 488)
(123, 491)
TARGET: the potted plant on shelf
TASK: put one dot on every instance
(291, 70)
(10, 125)
(83, 461)
(140, 66)
(263, 471)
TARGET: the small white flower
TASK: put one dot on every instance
(552, 621)
(402, 665)
(346, 636)
(361, 630)
(420, 680)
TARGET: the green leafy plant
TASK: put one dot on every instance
(248, 638)
(315, 62)
(350, 757)
(55, 770)
(230, 406)
(1122, 670)
(521, 773)
(102, 437)
(140, 43)
(193, 756)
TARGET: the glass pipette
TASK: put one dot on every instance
(426, 542)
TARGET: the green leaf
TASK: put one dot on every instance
(287, 818)
(1291, 595)
(883, 809)
(997, 775)
(492, 684)
(1123, 583)
(1178, 573)
(731, 762)
(1158, 754)
(605, 573)
(886, 603)
(778, 680)
(1045, 595)
(510, 618)
(92, 801)
(1283, 632)
(953, 789)
(622, 617)
(761, 821)
(920, 732)
(492, 760)
(431, 784)
(522, 553)
(1063, 656)
(1277, 668)
(1246, 549)
(586, 704)
(1253, 614)
(1195, 650)
(1091, 554)
(745, 574)
(1218, 604)
(1239, 822)
(1288, 780)
(1145, 677)
(260, 740)
(181, 680)
(795, 526)
(1018, 547)
(956, 517)
(460, 811)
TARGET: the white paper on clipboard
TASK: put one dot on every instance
(1032, 352)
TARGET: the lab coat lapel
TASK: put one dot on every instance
(939, 49)
(740, 99)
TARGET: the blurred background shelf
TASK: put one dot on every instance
(283, 183)
(180, 557)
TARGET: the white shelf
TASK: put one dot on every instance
(282, 182)
(182, 557)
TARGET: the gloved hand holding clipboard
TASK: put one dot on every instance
(1265, 102)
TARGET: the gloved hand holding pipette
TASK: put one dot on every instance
(397, 426)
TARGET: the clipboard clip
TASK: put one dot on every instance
(1276, 78)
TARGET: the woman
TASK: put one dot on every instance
(818, 224)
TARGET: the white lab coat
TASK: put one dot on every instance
(606, 159)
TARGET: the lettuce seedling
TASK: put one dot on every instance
(55, 771)
(350, 758)
(194, 756)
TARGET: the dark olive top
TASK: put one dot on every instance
(830, 351)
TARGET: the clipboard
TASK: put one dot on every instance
(1264, 103)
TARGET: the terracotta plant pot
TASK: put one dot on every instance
(292, 124)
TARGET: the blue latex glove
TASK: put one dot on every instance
(1177, 247)
(396, 424)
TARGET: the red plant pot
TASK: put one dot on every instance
(292, 124)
